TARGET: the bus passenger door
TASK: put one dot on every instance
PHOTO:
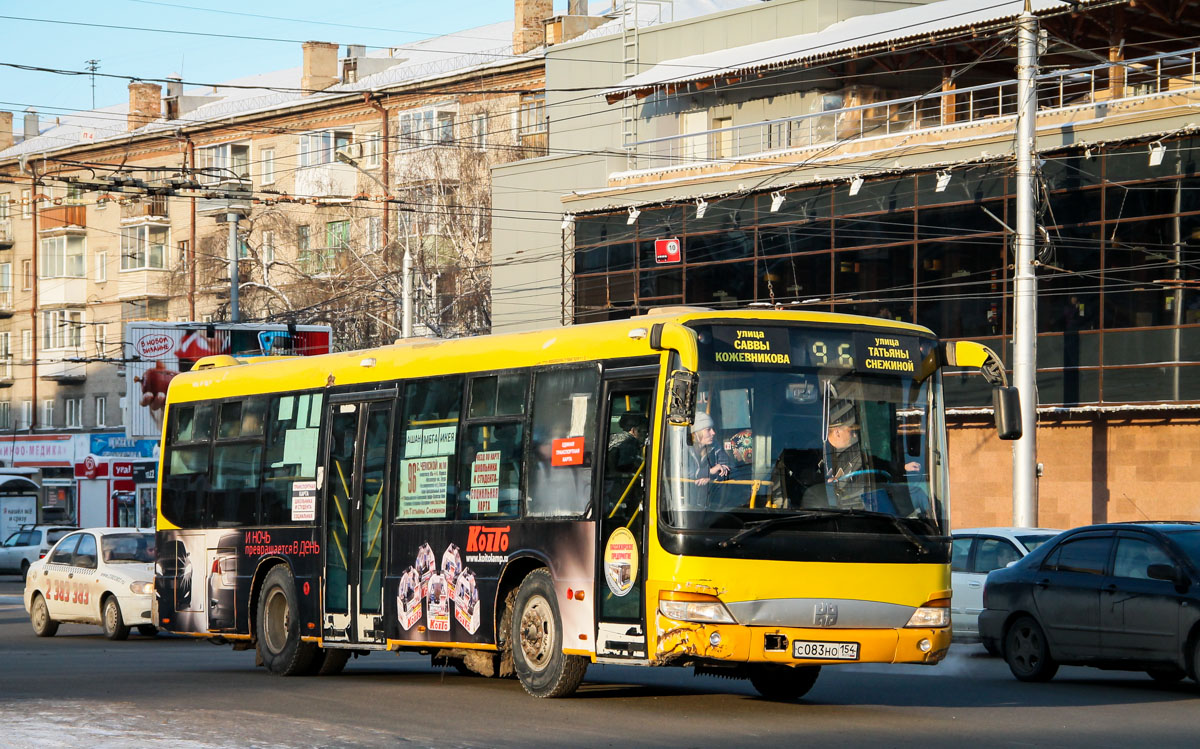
(621, 567)
(356, 481)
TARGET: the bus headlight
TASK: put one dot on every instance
(141, 588)
(933, 614)
(693, 607)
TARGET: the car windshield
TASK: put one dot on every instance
(807, 420)
(1189, 541)
(1033, 541)
(127, 547)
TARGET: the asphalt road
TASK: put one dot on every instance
(78, 689)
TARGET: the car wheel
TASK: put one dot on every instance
(147, 630)
(783, 683)
(1027, 652)
(1166, 675)
(278, 626)
(115, 627)
(542, 667)
(39, 617)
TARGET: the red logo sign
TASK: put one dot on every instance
(667, 250)
(482, 538)
(568, 451)
(123, 470)
(154, 345)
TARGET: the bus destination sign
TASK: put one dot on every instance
(754, 346)
(887, 353)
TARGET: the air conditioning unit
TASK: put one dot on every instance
(353, 151)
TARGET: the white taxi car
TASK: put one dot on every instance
(99, 576)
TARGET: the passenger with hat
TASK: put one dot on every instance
(707, 460)
(852, 477)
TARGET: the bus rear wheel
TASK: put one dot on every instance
(783, 683)
(536, 637)
(328, 662)
(278, 626)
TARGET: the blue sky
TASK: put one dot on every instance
(375, 23)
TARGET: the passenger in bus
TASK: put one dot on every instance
(626, 448)
(707, 461)
(555, 491)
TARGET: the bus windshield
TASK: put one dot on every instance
(813, 429)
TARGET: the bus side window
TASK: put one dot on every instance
(564, 415)
(293, 425)
(185, 483)
(492, 454)
(236, 470)
(426, 449)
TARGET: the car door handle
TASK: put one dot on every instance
(974, 585)
(1044, 582)
(1110, 588)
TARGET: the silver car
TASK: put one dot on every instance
(29, 544)
(975, 553)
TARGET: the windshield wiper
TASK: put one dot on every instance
(762, 526)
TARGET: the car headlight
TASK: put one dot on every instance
(934, 613)
(141, 588)
(694, 607)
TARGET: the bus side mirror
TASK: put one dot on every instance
(681, 391)
(1007, 404)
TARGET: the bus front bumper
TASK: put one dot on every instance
(797, 646)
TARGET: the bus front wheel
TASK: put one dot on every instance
(783, 683)
(536, 637)
(278, 626)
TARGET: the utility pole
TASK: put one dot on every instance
(233, 218)
(93, 66)
(1025, 499)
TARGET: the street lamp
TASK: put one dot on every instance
(406, 303)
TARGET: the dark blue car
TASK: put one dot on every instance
(1120, 596)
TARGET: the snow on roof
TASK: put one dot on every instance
(849, 35)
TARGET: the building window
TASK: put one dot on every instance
(74, 407)
(74, 195)
(532, 114)
(185, 248)
(144, 309)
(337, 235)
(62, 328)
(5, 415)
(371, 150)
(6, 289)
(303, 238)
(144, 247)
(426, 127)
(6, 355)
(26, 414)
(101, 340)
(224, 163)
(48, 412)
(101, 267)
(26, 204)
(319, 148)
(268, 247)
(4, 207)
(101, 411)
(26, 344)
(374, 234)
(62, 257)
(479, 129)
(268, 165)
(26, 274)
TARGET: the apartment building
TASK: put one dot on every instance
(866, 165)
(334, 172)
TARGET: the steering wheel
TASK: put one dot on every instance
(865, 472)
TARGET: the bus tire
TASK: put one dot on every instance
(327, 662)
(783, 683)
(114, 624)
(39, 617)
(543, 669)
(278, 626)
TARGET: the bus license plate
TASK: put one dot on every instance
(834, 651)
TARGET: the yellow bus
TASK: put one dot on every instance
(756, 494)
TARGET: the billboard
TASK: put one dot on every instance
(157, 351)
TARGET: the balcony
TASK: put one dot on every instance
(146, 208)
(327, 183)
(1066, 98)
(141, 284)
(6, 234)
(63, 370)
(6, 371)
(61, 292)
(6, 302)
(62, 217)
